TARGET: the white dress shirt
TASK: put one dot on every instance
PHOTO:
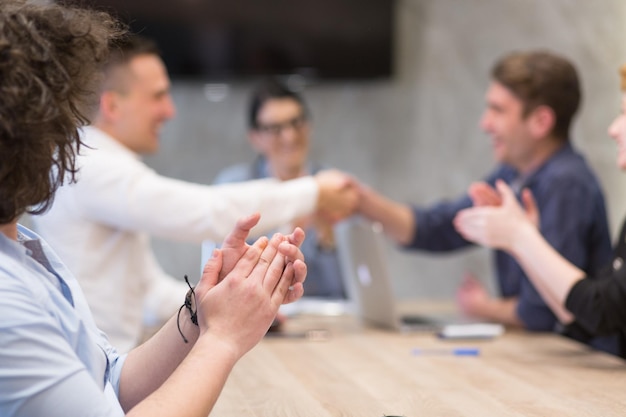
(100, 227)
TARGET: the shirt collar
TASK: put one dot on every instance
(98, 139)
(522, 181)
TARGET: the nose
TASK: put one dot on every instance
(485, 122)
(288, 133)
(169, 110)
(614, 127)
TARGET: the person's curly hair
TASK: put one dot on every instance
(50, 55)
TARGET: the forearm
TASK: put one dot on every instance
(150, 364)
(197, 381)
(164, 206)
(397, 219)
(551, 274)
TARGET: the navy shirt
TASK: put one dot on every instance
(572, 216)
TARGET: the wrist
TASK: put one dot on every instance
(188, 331)
(188, 309)
(190, 306)
(524, 234)
(219, 346)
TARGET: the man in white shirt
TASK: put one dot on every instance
(101, 224)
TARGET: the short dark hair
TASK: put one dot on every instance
(268, 89)
(50, 56)
(122, 52)
(541, 78)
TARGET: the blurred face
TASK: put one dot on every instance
(503, 121)
(617, 131)
(144, 105)
(282, 137)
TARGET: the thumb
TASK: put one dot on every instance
(211, 271)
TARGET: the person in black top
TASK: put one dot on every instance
(586, 305)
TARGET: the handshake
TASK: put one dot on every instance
(338, 197)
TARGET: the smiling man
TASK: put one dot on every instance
(279, 131)
(101, 225)
(530, 104)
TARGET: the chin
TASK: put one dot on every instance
(154, 147)
(499, 157)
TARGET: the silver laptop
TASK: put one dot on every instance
(364, 263)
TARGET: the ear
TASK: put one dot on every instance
(541, 122)
(109, 106)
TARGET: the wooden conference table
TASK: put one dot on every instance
(346, 369)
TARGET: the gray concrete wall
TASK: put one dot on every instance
(416, 137)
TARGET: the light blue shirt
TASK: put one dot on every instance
(54, 361)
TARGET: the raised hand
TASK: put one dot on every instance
(498, 227)
(338, 196)
(238, 310)
(235, 246)
(483, 194)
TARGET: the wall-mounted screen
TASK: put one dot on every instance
(218, 40)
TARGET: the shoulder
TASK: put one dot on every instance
(569, 163)
(99, 146)
(21, 289)
(568, 171)
(235, 173)
(102, 159)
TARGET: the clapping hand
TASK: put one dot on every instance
(497, 226)
(235, 246)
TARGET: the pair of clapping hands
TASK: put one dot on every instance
(497, 218)
(243, 285)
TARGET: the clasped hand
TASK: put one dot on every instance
(242, 285)
(338, 195)
(497, 217)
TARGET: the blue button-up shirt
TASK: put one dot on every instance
(53, 359)
(573, 220)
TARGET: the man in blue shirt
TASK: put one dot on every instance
(531, 102)
(54, 361)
